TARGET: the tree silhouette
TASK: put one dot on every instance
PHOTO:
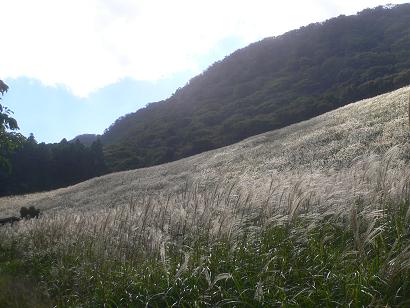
(9, 139)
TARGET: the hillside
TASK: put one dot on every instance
(315, 214)
(268, 85)
(86, 139)
(339, 156)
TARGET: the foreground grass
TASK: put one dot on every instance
(344, 260)
(17, 289)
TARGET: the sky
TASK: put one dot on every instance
(75, 66)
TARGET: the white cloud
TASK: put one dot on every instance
(87, 44)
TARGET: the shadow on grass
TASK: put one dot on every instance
(17, 289)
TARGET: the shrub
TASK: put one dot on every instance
(28, 213)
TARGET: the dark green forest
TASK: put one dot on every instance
(268, 85)
(264, 86)
(39, 167)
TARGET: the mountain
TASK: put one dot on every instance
(268, 85)
(86, 139)
(357, 152)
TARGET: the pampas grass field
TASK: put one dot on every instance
(314, 214)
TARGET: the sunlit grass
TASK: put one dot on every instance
(334, 260)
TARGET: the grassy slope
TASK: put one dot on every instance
(320, 151)
(315, 214)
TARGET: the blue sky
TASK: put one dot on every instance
(75, 66)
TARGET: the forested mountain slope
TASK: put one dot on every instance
(268, 85)
(357, 152)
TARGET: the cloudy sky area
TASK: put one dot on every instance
(74, 66)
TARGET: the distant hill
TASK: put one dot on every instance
(268, 85)
(86, 139)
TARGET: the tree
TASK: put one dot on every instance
(9, 139)
(98, 166)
